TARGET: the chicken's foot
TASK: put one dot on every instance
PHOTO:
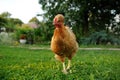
(64, 69)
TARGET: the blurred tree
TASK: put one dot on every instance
(8, 22)
(43, 33)
(84, 16)
(34, 19)
(3, 18)
(5, 15)
(2, 21)
(16, 21)
(11, 24)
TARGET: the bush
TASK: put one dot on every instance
(6, 38)
(25, 31)
(100, 38)
(43, 33)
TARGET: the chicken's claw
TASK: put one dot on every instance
(65, 71)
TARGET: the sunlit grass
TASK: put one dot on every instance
(18, 63)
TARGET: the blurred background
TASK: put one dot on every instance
(95, 22)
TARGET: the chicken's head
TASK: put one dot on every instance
(58, 21)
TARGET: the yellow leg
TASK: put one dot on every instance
(64, 68)
(69, 64)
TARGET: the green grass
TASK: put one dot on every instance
(100, 46)
(24, 64)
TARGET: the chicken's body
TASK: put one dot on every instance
(63, 42)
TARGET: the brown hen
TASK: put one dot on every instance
(63, 42)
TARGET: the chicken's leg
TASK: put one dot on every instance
(64, 68)
(69, 63)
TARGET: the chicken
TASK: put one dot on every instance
(63, 42)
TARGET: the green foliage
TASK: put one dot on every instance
(28, 64)
(83, 16)
(116, 29)
(24, 29)
(10, 26)
(9, 23)
(5, 15)
(34, 19)
(101, 38)
(43, 33)
(2, 21)
(16, 21)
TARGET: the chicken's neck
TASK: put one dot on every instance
(59, 25)
(60, 32)
(60, 28)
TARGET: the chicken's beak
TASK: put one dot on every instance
(56, 23)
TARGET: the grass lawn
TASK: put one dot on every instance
(24, 64)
